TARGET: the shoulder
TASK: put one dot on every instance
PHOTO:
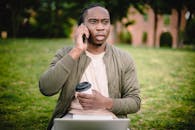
(63, 51)
(123, 58)
(123, 55)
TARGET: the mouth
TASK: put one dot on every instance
(100, 37)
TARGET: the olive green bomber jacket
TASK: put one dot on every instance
(64, 73)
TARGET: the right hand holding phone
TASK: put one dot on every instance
(81, 36)
(80, 44)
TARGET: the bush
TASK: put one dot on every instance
(144, 37)
(125, 37)
(166, 39)
(190, 31)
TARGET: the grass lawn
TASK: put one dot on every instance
(166, 76)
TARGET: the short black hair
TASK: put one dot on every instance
(82, 14)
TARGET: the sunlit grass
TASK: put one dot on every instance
(166, 76)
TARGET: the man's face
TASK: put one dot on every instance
(97, 20)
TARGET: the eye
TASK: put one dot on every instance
(106, 21)
(93, 21)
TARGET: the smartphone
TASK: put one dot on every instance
(84, 38)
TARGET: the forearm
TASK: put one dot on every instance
(123, 106)
(54, 78)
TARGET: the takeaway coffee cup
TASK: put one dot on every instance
(84, 87)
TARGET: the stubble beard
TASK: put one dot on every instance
(91, 41)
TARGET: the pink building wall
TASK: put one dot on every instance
(142, 25)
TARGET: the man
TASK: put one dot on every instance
(110, 71)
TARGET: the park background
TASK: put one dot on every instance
(159, 34)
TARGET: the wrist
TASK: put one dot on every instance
(75, 53)
(109, 104)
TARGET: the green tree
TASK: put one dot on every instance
(190, 32)
(179, 5)
(118, 9)
(54, 18)
(14, 11)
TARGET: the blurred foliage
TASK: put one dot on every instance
(55, 18)
(190, 31)
(125, 36)
(166, 19)
(144, 37)
(52, 18)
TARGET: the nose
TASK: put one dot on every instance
(100, 26)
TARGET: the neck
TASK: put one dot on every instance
(94, 49)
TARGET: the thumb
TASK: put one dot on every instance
(94, 91)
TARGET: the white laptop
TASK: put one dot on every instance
(92, 124)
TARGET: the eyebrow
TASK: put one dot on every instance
(98, 19)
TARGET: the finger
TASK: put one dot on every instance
(84, 95)
(84, 100)
(94, 91)
(96, 94)
(85, 30)
(87, 106)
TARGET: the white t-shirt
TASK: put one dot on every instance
(95, 74)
